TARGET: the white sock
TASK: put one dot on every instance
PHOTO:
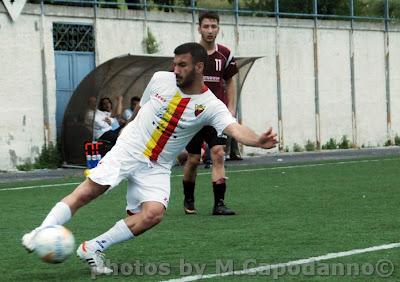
(59, 214)
(116, 234)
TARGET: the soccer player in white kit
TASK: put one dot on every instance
(174, 107)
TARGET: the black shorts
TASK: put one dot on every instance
(207, 134)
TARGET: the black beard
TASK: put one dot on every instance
(189, 79)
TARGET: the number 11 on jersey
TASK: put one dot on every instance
(218, 64)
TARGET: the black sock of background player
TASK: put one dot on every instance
(188, 190)
(219, 188)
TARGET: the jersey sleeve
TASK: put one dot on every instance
(230, 68)
(160, 81)
(221, 117)
(148, 91)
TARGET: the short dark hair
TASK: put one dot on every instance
(208, 15)
(197, 51)
(135, 99)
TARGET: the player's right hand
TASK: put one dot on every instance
(268, 139)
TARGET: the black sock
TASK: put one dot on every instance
(219, 188)
(188, 189)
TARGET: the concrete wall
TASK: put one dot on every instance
(21, 91)
(334, 84)
(259, 99)
(370, 87)
(297, 76)
(27, 73)
(394, 47)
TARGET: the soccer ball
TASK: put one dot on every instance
(53, 244)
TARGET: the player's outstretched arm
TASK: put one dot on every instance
(246, 136)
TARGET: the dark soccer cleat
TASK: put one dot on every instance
(221, 209)
(235, 158)
(207, 164)
(188, 205)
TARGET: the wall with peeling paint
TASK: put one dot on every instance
(21, 88)
(394, 51)
(281, 89)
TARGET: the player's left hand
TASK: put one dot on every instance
(268, 139)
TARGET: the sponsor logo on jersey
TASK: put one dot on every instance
(198, 109)
(159, 97)
(209, 78)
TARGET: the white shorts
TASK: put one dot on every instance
(147, 181)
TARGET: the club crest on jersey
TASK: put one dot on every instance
(198, 109)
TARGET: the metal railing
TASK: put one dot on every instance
(235, 9)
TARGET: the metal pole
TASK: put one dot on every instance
(352, 76)
(236, 3)
(238, 109)
(145, 29)
(386, 14)
(193, 5)
(46, 118)
(316, 78)
(390, 136)
(97, 58)
(236, 12)
(278, 79)
(145, 9)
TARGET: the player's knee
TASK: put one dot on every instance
(152, 216)
(218, 153)
(193, 160)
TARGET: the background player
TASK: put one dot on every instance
(219, 71)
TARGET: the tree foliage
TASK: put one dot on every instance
(326, 7)
(370, 8)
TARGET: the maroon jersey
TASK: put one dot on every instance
(221, 66)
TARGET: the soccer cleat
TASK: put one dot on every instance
(188, 206)
(221, 209)
(95, 259)
(28, 240)
(207, 164)
(235, 158)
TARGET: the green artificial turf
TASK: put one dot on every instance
(283, 214)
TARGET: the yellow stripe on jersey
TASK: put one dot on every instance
(162, 124)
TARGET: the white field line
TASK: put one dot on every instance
(208, 173)
(287, 264)
(39, 186)
(298, 166)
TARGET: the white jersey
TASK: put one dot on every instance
(169, 118)
(100, 126)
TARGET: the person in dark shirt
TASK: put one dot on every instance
(218, 76)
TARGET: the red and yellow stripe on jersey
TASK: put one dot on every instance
(166, 126)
